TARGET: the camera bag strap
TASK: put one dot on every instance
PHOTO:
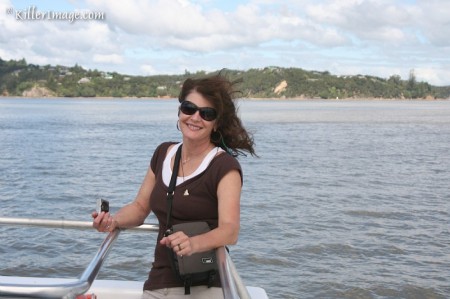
(171, 189)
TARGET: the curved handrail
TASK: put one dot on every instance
(66, 290)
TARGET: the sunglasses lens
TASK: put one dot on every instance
(188, 108)
(207, 113)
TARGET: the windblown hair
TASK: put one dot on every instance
(230, 134)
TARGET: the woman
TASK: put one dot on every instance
(208, 185)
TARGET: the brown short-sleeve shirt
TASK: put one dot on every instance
(198, 203)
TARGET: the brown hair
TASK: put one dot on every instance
(230, 134)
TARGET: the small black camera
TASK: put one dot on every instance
(102, 205)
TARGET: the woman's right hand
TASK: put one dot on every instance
(104, 222)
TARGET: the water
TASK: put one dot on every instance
(348, 199)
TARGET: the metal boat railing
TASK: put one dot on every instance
(232, 285)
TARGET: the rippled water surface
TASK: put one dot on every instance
(348, 199)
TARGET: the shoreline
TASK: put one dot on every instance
(246, 99)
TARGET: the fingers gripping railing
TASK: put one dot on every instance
(231, 282)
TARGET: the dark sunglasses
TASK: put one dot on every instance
(207, 113)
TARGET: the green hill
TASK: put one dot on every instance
(18, 78)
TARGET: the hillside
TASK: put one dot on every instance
(18, 78)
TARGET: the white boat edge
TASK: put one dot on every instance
(108, 289)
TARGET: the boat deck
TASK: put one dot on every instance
(106, 289)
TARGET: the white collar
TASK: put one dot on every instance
(167, 170)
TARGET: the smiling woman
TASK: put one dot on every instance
(207, 179)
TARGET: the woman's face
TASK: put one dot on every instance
(194, 127)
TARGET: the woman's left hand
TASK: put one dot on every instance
(179, 242)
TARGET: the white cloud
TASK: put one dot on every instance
(112, 58)
(434, 21)
(158, 18)
(437, 76)
(148, 70)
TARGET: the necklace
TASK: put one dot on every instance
(184, 161)
(202, 154)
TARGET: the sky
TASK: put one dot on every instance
(151, 37)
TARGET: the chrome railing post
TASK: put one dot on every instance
(232, 285)
(64, 290)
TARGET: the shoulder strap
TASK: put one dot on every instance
(173, 181)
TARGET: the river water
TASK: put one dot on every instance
(348, 199)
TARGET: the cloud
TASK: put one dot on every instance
(112, 58)
(434, 21)
(159, 18)
(367, 21)
(186, 26)
(56, 41)
(148, 70)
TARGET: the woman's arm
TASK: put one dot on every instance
(131, 215)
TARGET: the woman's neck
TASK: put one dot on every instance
(192, 152)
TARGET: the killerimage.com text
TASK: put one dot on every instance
(32, 13)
